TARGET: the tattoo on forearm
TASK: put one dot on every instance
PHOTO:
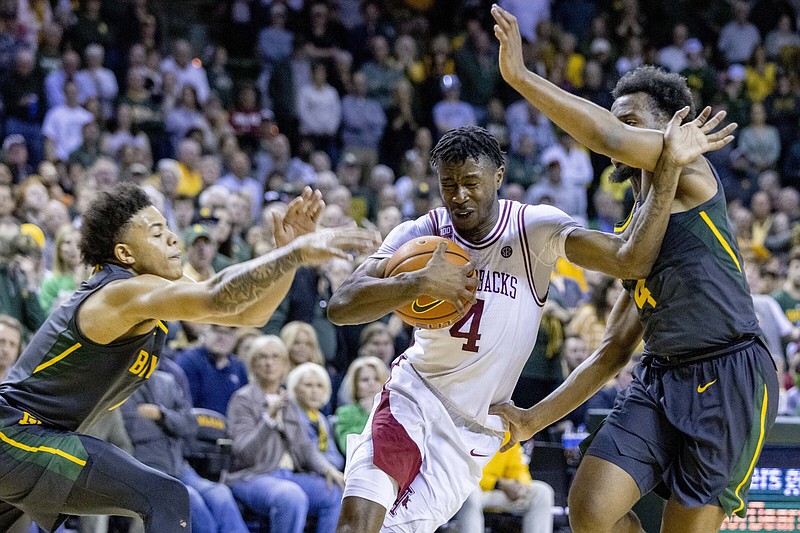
(247, 282)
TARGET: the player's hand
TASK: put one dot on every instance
(685, 143)
(301, 217)
(512, 66)
(321, 245)
(149, 411)
(517, 420)
(334, 476)
(443, 280)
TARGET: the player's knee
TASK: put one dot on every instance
(359, 515)
(586, 510)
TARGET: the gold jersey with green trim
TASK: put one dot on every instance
(696, 297)
(64, 380)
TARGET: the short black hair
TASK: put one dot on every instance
(469, 142)
(667, 90)
(105, 220)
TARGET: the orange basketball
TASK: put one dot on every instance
(426, 312)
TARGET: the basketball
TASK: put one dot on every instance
(426, 312)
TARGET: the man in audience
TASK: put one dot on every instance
(158, 418)
(214, 372)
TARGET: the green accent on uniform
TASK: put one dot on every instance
(698, 227)
(62, 466)
(752, 449)
(65, 340)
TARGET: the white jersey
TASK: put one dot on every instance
(476, 362)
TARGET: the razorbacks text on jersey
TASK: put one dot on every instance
(477, 361)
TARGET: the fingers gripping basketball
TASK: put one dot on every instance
(425, 311)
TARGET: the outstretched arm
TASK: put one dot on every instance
(589, 124)
(301, 218)
(126, 304)
(632, 254)
(622, 335)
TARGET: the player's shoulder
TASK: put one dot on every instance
(534, 214)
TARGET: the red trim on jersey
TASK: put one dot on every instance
(435, 221)
(526, 254)
(393, 451)
(489, 240)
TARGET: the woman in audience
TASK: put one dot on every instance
(277, 470)
(68, 270)
(310, 386)
(302, 343)
(364, 380)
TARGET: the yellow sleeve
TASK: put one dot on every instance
(508, 465)
(516, 467)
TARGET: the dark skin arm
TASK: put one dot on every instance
(588, 123)
(632, 255)
(622, 335)
(591, 125)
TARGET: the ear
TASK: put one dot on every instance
(501, 170)
(124, 254)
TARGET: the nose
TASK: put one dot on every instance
(173, 239)
(460, 195)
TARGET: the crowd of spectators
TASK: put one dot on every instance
(224, 125)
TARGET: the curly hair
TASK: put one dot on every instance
(469, 142)
(105, 220)
(668, 91)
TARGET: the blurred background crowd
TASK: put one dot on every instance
(223, 112)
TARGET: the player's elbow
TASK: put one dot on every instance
(612, 357)
(631, 265)
(336, 309)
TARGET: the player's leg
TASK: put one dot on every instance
(678, 518)
(601, 498)
(114, 483)
(360, 515)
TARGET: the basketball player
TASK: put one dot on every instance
(96, 349)
(429, 435)
(694, 419)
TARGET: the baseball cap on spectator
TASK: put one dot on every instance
(194, 232)
(34, 232)
(735, 72)
(600, 46)
(11, 140)
(693, 46)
